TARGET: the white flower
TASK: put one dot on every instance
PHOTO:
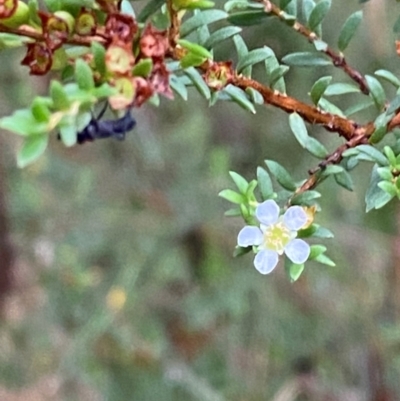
(275, 236)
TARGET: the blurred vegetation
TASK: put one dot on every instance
(124, 284)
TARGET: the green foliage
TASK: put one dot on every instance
(318, 14)
(349, 29)
(306, 59)
(141, 273)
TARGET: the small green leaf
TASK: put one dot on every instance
(83, 75)
(277, 73)
(234, 212)
(241, 47)
(344, 180)
(202, 34)
(198, 82)
(220, 35)
(231, 5)
(316, 250)
(32, 148)
(103, 91)
(126, 8)
(23, 123)
(265, 184)
(178, 86)
(322, 232)
(40, 109)
(271, 66)
(281, 175)
(149, 9)
(319, 88)
(394, 105)
(299, 129)
(202, 18)
(198, 4)
(239, 251)
(143, 68)
(240, 182)
(82, 120)
(385, 173)
(68, 135)
(325, 260)
(196, 49)
(388, 187)
(374, 154)
(306, 59)
(318, 14)
(239, 96)
(378, 135)
(99, 55)
(250, 190)
(306, 198)
(59, 96)
(253, 57)
(289, 6)
(341, 89)
(295, 271)
(375, 198)
(360, 105)
(316, 148)
(377, 92)
(255, 96)
(388, 76)
(390, 156)
(315, 230)
(349, 29)
(232, 196)
(192, 60)
(326, 105)
(33, 12)
(248, 18)
(331, 170)
(308, 6)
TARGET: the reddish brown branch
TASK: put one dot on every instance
(173, 32)
(313, 115)
(394, 122)
(337, 58)
(361, 137)
(29, 32)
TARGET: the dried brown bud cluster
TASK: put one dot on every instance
(136, 85)
(134, 58)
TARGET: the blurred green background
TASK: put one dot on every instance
(124, 284)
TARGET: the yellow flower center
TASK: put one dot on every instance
(276, 237)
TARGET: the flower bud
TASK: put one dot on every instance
(67, 18)
(85, 23)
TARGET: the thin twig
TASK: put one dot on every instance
(332, 122)
(360, 137)
(38, 36)
(173, 32)
(337, 58)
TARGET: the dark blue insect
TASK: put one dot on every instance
(106, 129)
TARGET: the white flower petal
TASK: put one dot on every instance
(266, 261)
(267, 212)
(295, 218)
(249, 236)
(297, 251)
